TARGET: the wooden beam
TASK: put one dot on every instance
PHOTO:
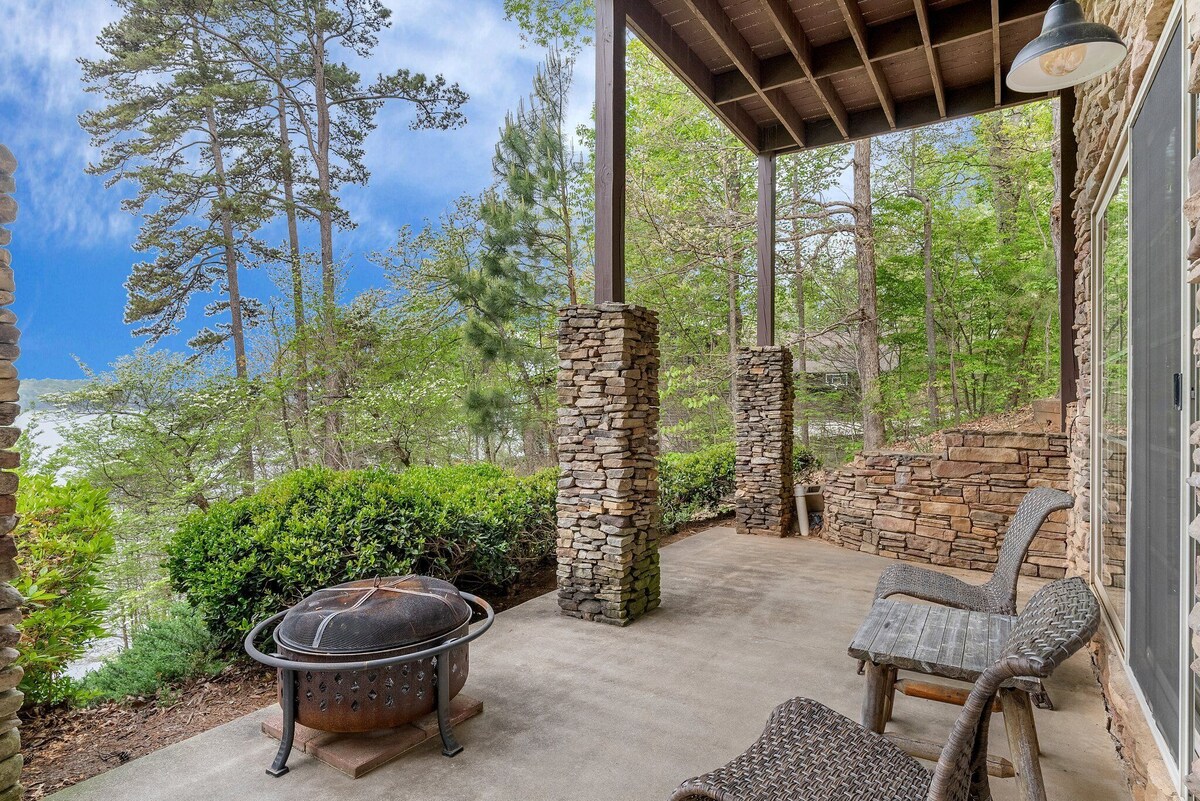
(947, 28)
(965, 102)
(931, 56)
(765, 220)
(997, 68)
(1068, 164)
(788, 26)
(999, 767)
(610, 151)
(858, 32)
(660, 37)
(720, 27)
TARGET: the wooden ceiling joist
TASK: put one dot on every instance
(660, 37)
(858, 32)
(720, 27)
(928, 65)
(931, 56)
(946, 28)
(788, 26)
(964, 102)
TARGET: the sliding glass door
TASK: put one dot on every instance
(1156, 402)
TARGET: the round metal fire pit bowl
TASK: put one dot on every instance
(373, 654)
(373, 619)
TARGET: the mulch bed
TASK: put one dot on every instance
(66, 746)
(63, 746)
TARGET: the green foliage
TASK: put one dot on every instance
(243, 560)
(165, 651)
(700, 485)
(63, 539)
(695, 485)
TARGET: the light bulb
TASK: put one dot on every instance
(1063, 61)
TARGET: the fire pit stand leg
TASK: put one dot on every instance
(450, 746)
(279, 766)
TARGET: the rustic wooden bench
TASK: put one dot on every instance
(949, 644)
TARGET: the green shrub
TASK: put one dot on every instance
(695, 485)
(805, 464)
(63, 539)
(244, 560)
(698, 485)
(163, 652)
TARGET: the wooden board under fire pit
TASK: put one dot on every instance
(359, 754)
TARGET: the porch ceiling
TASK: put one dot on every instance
(786, 75)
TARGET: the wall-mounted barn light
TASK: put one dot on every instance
(1069, 51)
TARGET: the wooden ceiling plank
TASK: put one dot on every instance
(858, 32)
(720, 27)
(946, 27)
(964, 102)
(935, 71)
(998, 78)
(659, 36)
(797, 41)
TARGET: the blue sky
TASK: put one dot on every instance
(72, 242)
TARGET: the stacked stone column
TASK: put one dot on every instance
(608, 515)
(11, 601)
(764, 414)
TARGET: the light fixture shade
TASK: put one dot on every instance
(1069, 51)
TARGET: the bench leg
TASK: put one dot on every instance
(1023, 743)
(874, 710)
(889, 702)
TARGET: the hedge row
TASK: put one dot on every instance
(475, 525)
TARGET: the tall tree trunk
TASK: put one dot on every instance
(801, 335)
(331, 451)
(868, 311)
(935, 418)
(296, 264)
(229, 244)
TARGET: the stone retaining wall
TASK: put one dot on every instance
(608, 514)
(763, 416)
(950, 508)
(11, 601)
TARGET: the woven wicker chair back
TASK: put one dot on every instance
(1059, 619)
(1035, 507)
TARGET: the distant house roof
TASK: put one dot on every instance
(836, 351)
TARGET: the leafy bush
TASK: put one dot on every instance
(244, 560)
(695, 485)
(164, 651)
(63, 539)
(698, 485)
(805, 464)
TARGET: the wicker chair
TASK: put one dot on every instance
(999, 594)
(810, 753)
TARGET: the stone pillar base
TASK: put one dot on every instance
(608, 515)
(764, 430)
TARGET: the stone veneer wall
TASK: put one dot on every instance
(949, 508)
(1103, 108)
(11, 601)
(764, 412)
(608, 515)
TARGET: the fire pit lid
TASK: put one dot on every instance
(372, 615)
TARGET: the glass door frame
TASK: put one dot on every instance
(1188, 737)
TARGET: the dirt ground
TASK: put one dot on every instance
(65, 746)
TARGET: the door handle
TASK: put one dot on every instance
(1178, 391)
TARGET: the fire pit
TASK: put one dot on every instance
(372, 654)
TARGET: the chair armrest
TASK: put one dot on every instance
(930, 585)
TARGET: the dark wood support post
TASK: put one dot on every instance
(1068, 368)
(610, 151)
(766, 249)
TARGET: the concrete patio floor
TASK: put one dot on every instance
(578, 711)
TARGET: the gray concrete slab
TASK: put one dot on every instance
(580, 711)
